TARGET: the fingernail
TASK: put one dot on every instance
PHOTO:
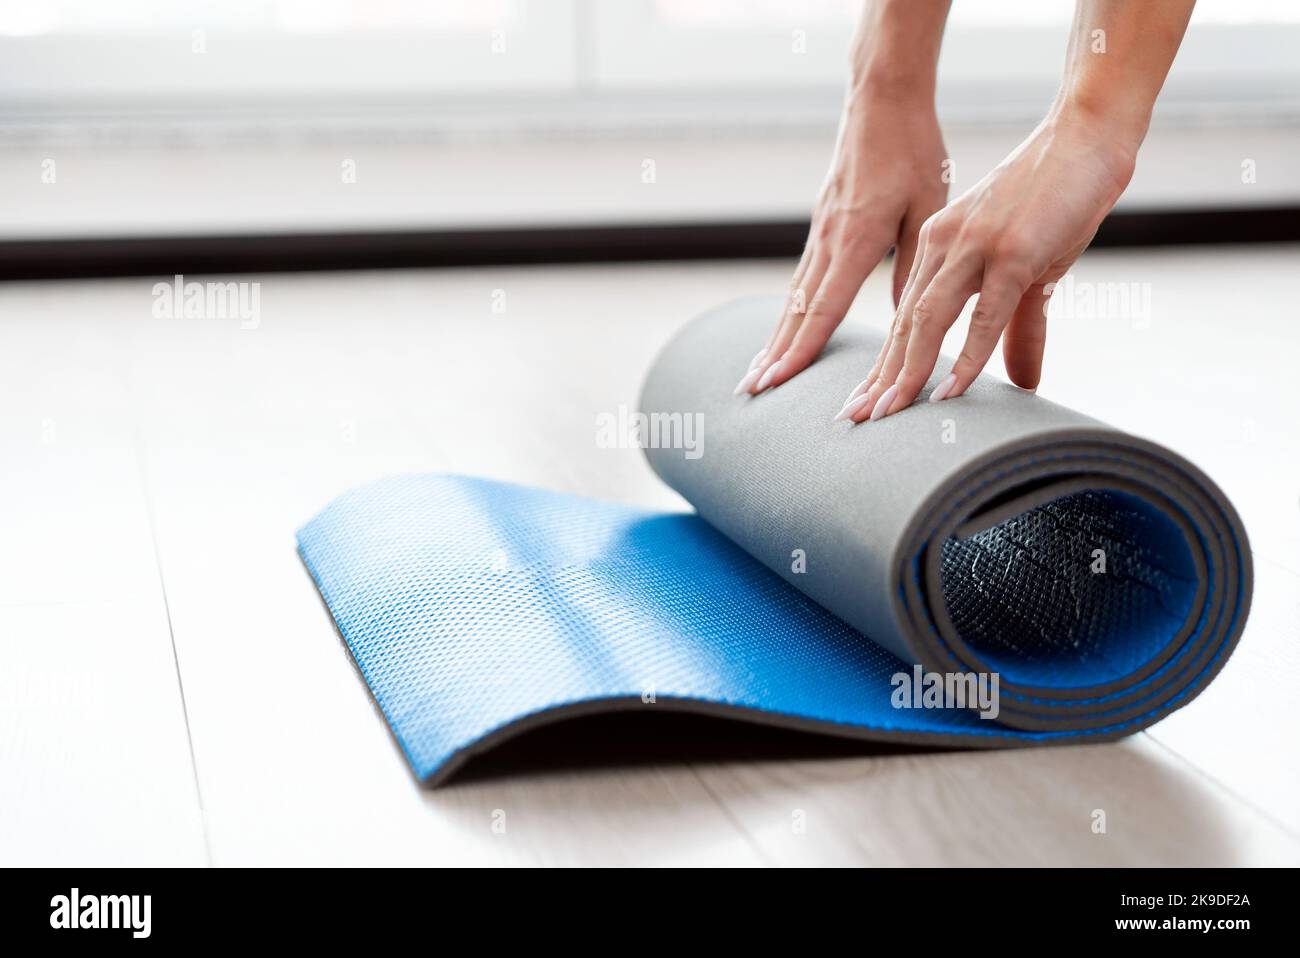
(758, 357)
(884, 402)
(861, 389)
(850, 407)
(944, 387)
(746, 382)
(772, 370)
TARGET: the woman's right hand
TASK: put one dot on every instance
(888, 175)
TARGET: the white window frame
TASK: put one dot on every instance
(604, 65)
(535, 50)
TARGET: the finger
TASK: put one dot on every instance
(862, 395)
(861, 390)
(834, 297)
(755, 369)
(890, 362)
(932, 316)
(794, 318)
(905, 254)
(918, 257)
(1025, 338)
(999, 299)
(752, 373)
(794, 292)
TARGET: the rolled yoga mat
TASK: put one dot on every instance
(831, 576)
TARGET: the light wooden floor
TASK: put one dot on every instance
(172, 691)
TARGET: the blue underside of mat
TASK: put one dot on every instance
(473, 608)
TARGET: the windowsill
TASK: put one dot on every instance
(226, 186)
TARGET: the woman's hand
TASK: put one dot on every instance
(1021, 227)
(886, 179)
(887, 176)
(1016, 231)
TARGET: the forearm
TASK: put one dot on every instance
(1119, 55)
(896, 48)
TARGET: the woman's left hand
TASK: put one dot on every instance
(1015, 232)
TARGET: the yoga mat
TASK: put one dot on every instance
(827, 570)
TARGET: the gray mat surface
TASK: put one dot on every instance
(965, 535)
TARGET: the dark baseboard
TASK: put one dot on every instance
(168, 255)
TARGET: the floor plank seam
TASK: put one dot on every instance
(1268, 816)
(727, 813)
(171, 633)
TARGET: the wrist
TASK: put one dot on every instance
(1110, 115)
(895, 50)
(882, 76)
(1110, 143)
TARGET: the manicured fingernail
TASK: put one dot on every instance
(758, 357)
(944, 387)
(884, 402)
(861, 389)
(746, 382)
(772, 370)
(850, 407)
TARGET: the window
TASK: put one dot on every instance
(658, 58)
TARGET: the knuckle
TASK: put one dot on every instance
(1009, 250)
(937, 228)
(984, 318)
(922, 314)
(819, 308)
(1017, 275)
(978, 239)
